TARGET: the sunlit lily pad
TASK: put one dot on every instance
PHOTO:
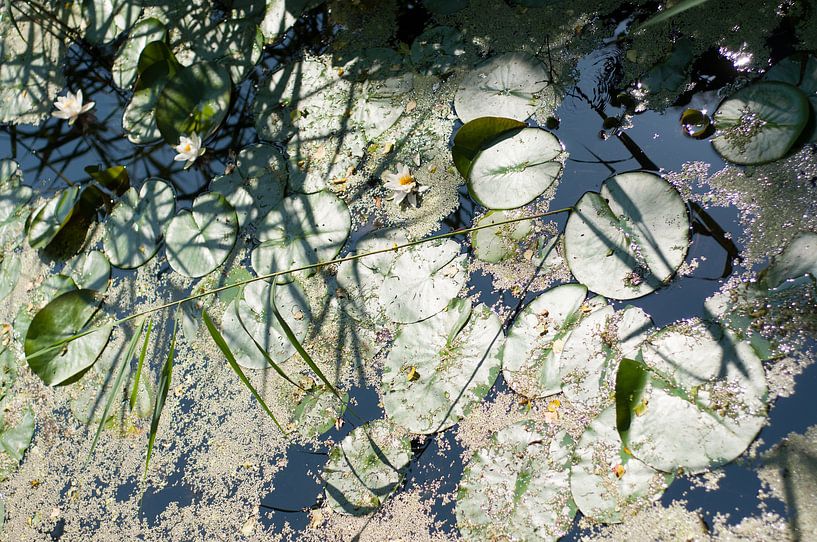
(365, 467)
(438, 369)
(90, 271)
(799, 70)
(589, 360)
(10, 265)
(381, 103)
(422, 280)
(62, 318)
(501, 242)
(607, 482)
(125, 63)
(200, 239)
(318, 411)
(302, 230)
(630, 238)
(13, 194)
(14, 441)
(516, 169)
(760, 123)
(696, 402)
(256, 185)
(530, 357)
(194, 101)
(48, 219)
(518, 487)
(506, 85)
(134, 228)
(106, 19)
(798, 258)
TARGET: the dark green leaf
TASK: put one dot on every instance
(473, 136)
(630, 381)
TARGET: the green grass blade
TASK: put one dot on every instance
(135, 391)
(115, 390)
(680, 7)
(299, 347)
(225, 349)
(275, 365)
(161, 392)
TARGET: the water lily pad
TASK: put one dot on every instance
(10, 265)
(589, 360)
(52, 286)
(630, 238)
(799, 70)
(241, 344)
(14, 441)
(257, 316)
(200, 239)
(365, 467)
(302, 230)
(280, 15)
(134, 228)
(50, 217)
(318, 411)
(63, 317)
(422, 280)
(193, 101)
(90, 271)
(607, 483)
(106, 19)
(438, 369)
(507, 85)
(256, 185)
(139, 119)
(530, 357)
(697, 401)
(494, 245)
(515, 170)
(437, 51)
(760, 123)
(517, 487)
(13, 194)
(381, 103)
(127, 59)
(798, 258)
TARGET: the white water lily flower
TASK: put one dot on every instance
(189, 148)
(70, 107)
(403, 185)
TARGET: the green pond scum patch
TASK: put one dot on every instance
(386, 270)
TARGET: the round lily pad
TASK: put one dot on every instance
(13, 194)
(90, 271)
(530, 357)
(590, 357)
(760, 123)
(438, 369)
(381, 103)
(257, 316)
(422, 281)
(139, 118)
(606, 481)
(799, 70)
(48, 219)
(506, 85)
(518, 487)
(494, 245)
(630, 238)
(318, 411)
(200, 239)
(697, 400)
(797, 259)
(256, 185)
(241, 344)
(302, 230)
(135, 225)
(14, 441)
(365, 467)
(10, 265)
(127, 59)
(515, 169)
(63, 317)
(193, 101)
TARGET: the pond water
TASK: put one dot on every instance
(354, 90)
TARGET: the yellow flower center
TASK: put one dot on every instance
(187, 148)
(406, 179)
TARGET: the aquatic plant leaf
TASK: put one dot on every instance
(14, 441)
(47, 220)
(255, 311)
(797, 259)
(225, 349)
(422, 281)
(193, 101)
(280, 15)
(530, 356)
(162, 389)
(90, 271)
(703, 402)
(629, 239)
(134, 228)
(125, 64)
(134, 394)
(50, 352)
(475, 135)
(438, 369)
(199, 240)
(760, 123)
(139, 119)
(607, 483)
(8, 371)
(106, 19)
(515, 170)
(52, 286)
(506, 85)
(677, 8)
(302, 230)
(800, 70)
(256, 185)
(437, 51)
(318, 411)
(518, 486)
(365, 468)
(590, 356)
(381, 103)
(10, 265)
(13, 194)
(494, 245)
